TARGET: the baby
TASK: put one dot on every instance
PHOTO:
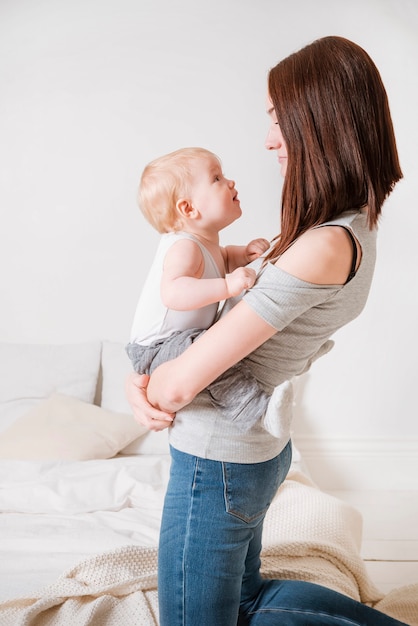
(187, 198)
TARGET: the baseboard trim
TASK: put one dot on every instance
(360, 463)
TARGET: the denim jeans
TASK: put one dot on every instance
(209, 554)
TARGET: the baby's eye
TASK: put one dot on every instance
(217, 178)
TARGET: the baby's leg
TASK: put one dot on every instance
(238, 395)
(145, 359)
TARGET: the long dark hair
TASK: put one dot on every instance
(334, 115)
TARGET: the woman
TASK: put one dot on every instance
(332, 131)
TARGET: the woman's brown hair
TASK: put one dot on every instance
(334, 115)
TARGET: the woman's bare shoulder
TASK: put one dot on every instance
(321, 256)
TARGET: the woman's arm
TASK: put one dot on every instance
(175, 383)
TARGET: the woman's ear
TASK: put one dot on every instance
(185, 209)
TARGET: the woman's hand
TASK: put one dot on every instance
(144, 413)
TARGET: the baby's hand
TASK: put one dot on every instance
(255, 248)
(240, 279)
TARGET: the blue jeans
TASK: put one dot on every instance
(209, 554)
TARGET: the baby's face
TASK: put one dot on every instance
(213, 195)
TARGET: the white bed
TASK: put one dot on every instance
(57, 514)
(81, 505)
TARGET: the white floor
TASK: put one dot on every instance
(390, 534)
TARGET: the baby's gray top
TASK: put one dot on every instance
(305, 316)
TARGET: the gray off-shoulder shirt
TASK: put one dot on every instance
(305, 315)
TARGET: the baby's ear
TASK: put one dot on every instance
(185, 209)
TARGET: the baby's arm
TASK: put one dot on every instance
(182, 287)
(238, 256)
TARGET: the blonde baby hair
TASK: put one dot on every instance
(163, 182)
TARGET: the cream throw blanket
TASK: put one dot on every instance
(308, 535)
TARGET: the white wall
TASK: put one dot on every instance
(91, 90)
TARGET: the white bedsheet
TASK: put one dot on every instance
(53, 515)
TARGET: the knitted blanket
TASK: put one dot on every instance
(308, 535)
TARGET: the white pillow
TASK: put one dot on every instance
(115, 368)
(31, 373)
(67, 429)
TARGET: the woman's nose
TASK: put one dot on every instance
(270, 142)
